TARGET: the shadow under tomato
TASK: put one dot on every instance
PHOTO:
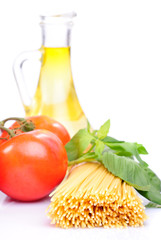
(9, 200)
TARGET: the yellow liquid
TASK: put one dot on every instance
(55, 95)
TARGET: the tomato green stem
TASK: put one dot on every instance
(25, 124)
(13, 118)
(1, 123)
(9, 131)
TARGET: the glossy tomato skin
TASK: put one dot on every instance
(31, 165)
(43, 122)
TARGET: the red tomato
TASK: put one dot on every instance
(31, 165)
(43, 122)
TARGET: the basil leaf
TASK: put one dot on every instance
(109, 139)
(126, 147)
(99, 147)
(78, 144)
(152, 205)
(155, 182)
(124, 153)
(88, 127)
(153, 195)
(141, 149)
(126, 169)
(143, 163)
(104, 129)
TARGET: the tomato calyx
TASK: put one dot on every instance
(27, 124)
(24, 125)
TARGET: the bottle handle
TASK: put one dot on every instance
(32, 56)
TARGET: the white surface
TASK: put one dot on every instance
(28, 221)
(116, 64)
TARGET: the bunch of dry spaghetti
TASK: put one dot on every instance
(93, 197)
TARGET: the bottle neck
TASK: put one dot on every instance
(56, 35)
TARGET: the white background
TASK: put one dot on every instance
(116, 64)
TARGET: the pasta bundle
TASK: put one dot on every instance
(93, 197)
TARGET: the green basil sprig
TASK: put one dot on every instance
(120, 158)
